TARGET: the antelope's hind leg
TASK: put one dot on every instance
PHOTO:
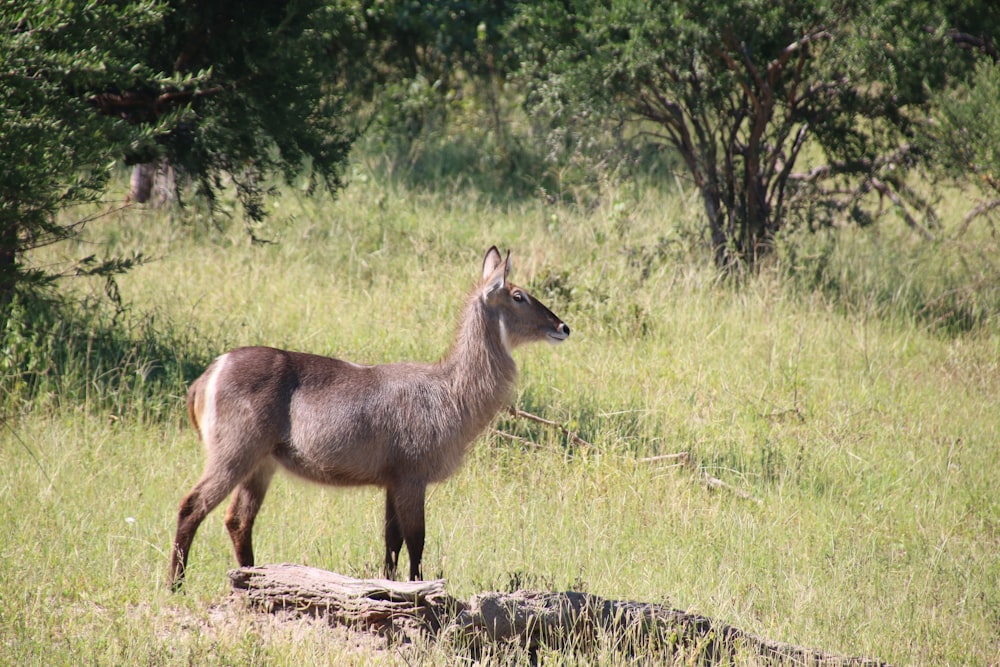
(211, 489)
(242, 512)
(218, 480)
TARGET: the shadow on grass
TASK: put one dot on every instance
(54, 352)
(513, 167)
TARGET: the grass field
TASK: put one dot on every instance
(852, 392)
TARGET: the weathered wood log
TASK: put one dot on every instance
(532, 619)
(379, 605)
(577, 620)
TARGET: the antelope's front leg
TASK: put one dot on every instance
(408, 503)
(393, 536)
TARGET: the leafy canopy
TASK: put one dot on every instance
(742, 88)
(57, 151)
(225, 91)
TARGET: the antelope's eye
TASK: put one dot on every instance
(517, 295)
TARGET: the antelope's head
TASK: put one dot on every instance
(522, 318)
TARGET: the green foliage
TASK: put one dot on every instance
(404, 38)
(968, 135)
(251, 88)
(228, 93)
(57, 152)
(741, 89)
(431, 82)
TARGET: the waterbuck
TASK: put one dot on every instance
(400, 426)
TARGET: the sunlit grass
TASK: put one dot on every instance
(857, 437)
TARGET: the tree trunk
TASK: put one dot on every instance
(141, 183)
(8, 267)
(713, 211)
(152, 181)
(568, 621)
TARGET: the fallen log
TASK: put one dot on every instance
(533, 620)
(578, 620)
(378, 605)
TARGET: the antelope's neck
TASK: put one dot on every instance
(482, 371)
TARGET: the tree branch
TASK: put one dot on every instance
(141, 106)
(980, 209)
(797, 46)
(574, 438)
(965, 40)
(890, 193)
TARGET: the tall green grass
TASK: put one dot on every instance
(854, 427)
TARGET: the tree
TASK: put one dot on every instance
(967, 137)
(255, 82)
(223, 90)
(56, 150)
(744, 90)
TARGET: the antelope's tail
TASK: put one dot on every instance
(194, 404)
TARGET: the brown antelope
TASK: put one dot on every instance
(400, 426)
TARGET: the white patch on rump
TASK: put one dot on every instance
(207, 418)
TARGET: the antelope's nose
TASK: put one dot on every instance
(558, 333)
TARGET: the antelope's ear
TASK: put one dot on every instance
(494, 272)
(490, 262)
